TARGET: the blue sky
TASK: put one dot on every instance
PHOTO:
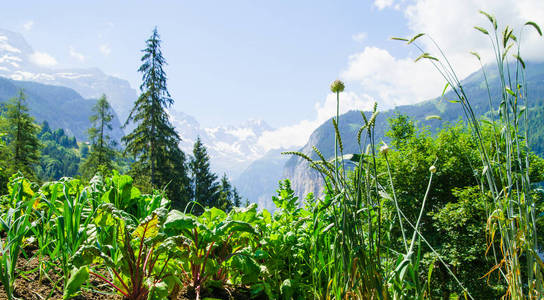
(230, 61)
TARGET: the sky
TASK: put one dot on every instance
(230, 61)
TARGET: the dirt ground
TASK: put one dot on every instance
(28, 285)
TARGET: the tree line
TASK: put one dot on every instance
(151, 152)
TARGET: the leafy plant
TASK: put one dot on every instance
(210, 241)
(139, 272)
(15, 225)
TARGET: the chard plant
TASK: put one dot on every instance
(141, 270)
(211, 242)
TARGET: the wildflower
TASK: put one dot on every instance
(337, 86)
(384, 149)
(432, 169)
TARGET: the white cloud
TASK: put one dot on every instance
(105, 49)
(399, 80)
(297, 135)
(28, 25)
(359, 37)
(381, 4)
(391, 80)
(75, 54)
(43, 59)
(375, 73)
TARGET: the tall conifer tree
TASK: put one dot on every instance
(102, 153)
(154, 142)
(22, 137)
(204, 181)
(225, 194)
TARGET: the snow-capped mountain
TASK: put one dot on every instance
(18, 61)
(231, 148)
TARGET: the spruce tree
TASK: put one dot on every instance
(101, 156)
(22, 137)
(204, 181)
(159, 162)
(225, 194)
(236, 198)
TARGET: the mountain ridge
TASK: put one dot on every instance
(306, 180)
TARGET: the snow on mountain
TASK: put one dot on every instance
(231, 148)
(18, 61)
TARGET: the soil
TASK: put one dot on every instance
(29, 286)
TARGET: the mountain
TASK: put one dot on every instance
(259, 181)
(18, 61)
(61, 107)
(305, 180)
(231, 148)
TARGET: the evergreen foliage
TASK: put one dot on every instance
(204, 182)
(159, 162)
(228, 195)
(101, 155)
(59, 154)
(21, 136)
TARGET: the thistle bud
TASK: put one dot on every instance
(384, 149)
(432, 169)
(337, 86)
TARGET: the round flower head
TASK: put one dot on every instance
(384, 149)
(337, 86)
(432, 169)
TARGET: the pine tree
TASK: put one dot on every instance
(204, 181)
(236, 198)
(159, 162)
(101, 156)
(225, 194)
(22, 137)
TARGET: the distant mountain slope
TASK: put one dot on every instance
(306, 180)
(60, 106)
(259, 181)
(231, 148)
(18, 62)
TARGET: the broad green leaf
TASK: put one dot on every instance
(178, 222)
(78, 277)
(149, 228)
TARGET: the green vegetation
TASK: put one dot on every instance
(21, 136)
(159, 162)
(101, 155)
(446, 213)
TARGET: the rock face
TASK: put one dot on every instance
(259, 181)
(306, 180)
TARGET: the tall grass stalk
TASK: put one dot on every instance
(506, 162)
